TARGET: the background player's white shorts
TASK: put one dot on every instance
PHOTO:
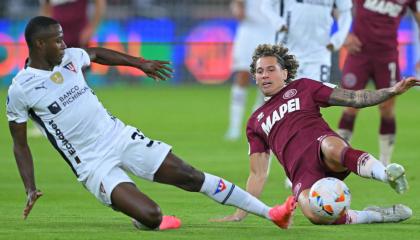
(132, 152)
(246, 40)
(314, 70)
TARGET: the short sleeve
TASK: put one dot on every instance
(343, 5)
(80, 55)
(321, 92)
(256, 144)
(17, 109)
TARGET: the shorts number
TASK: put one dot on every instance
(392, 67)
(325, 73)
(135, 134)
(141, 136)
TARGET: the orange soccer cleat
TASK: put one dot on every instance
(282, 215)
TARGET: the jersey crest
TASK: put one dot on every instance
(57, 78)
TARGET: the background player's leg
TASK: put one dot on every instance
(176, 172)
(128, 199)
(387, 131)
(346, 124)
(355, 76)
(237, 105)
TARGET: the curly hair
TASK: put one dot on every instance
(286, 60)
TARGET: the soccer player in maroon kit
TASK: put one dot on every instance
(72, 15)
(373, 54)
(291, 126)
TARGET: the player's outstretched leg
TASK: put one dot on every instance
(395, 213)
(145, 213)
(374, 214)
(176, 172)
(339, 157)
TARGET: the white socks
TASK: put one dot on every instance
(357, 217)
(237, 109)
(259, 100)
(386, 147)
(370, 167)
(227, 193)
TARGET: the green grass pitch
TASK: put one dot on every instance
(193, 120)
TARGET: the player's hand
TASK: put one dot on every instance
(353, 44)
(158, 70)
(405, 84)
(230, 218)
(30, 202)
(330, 47)
(283, 29)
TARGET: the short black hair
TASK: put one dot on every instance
(36, 25)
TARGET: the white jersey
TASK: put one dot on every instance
(65, 109)
(309, 25)
(252, 31)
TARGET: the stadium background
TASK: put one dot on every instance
(196, 36)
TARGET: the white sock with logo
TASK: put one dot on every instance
(227, 193)
(372, 168)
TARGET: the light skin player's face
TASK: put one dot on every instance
(269, 75)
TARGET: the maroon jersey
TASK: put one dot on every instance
(376, 23)
(290, 122)
(72, 16)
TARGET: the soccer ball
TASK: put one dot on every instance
(329, 198)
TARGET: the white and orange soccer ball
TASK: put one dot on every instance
(329, 198)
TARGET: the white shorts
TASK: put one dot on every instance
(314, 70)
(134, 153)
(246, 40)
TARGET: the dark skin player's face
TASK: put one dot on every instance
(53, 45)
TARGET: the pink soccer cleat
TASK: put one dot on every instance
(282, 215)
(170, 222)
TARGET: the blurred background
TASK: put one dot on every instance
(196, 36)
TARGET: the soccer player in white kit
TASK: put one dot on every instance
(253, 29)
(98, 147)
(305, 26)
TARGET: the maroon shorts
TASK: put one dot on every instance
(358, 69)
(309, 167)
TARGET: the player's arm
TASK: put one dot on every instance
(366, 98)
(89, 30)
(276, 20)
(45, 8)
(158, 70)
(25, 165)
(259, 164)
(237, 7)
(344, 19)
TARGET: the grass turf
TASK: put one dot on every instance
(193, 120)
